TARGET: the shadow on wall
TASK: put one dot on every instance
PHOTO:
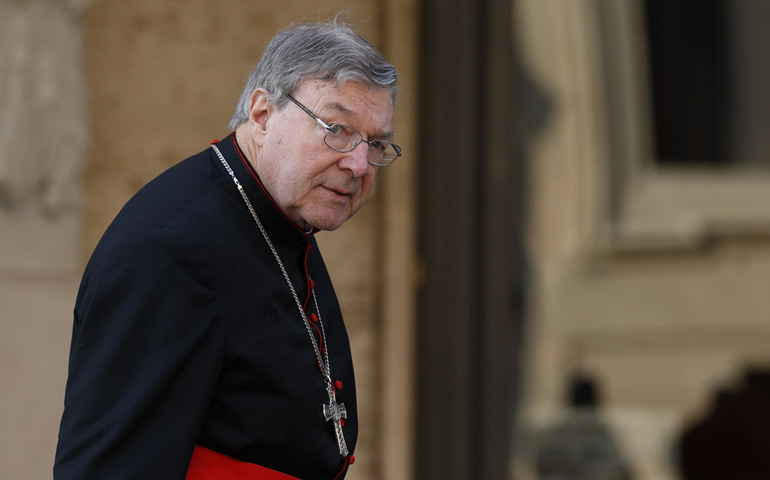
(731, 442)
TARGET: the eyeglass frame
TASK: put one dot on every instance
(329, 128)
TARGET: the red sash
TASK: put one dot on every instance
(209, 465)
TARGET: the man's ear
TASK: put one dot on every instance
(260, 111)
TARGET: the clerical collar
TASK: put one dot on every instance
(282, 228)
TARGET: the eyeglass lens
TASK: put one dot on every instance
(344, 139)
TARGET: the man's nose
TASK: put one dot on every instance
(356, 160)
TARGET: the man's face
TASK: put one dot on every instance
(313, 184)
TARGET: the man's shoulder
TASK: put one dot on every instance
(173, 190)
(178, 184)
(181, 198)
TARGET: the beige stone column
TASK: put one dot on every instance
(44, 136)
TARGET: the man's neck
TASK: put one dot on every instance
(246, 143)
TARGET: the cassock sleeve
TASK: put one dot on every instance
(145, 355)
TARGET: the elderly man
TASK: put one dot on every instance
(208, 341)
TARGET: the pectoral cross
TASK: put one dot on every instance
(336, 412)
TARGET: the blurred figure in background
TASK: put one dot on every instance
(580, 446)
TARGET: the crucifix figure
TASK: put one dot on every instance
(336, 412)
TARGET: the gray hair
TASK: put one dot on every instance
(330, 52)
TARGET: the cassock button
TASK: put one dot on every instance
(338, 384)
(312, 283)
(214, 142)
(352, 459)
(313, 318)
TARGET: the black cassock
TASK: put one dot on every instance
(186, 333)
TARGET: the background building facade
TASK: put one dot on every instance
(581, 217)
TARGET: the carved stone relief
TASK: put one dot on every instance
(43, 132)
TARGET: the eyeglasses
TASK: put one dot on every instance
(344, 139)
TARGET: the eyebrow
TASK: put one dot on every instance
(340, 108)
(346, 112)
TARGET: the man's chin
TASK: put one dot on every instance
(329, 218)
(326, 223)
(328, 227)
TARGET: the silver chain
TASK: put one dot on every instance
(323, 361)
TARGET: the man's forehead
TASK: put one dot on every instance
(356, 102)
(345, 96)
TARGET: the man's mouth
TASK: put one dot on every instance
(340, 192)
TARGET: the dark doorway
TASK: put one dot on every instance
(470, 234)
